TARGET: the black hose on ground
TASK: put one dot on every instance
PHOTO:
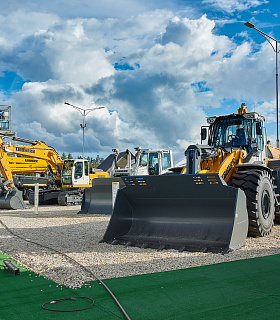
(73, 260)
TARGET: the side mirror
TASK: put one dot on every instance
(259, 128)
(203, 134)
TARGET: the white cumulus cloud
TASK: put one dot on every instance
(154, 73)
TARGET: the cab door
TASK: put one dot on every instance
(260, 134)
(80, 173)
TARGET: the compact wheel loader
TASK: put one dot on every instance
(229, 189)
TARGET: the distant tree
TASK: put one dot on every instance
(69, 156)
(63, 156)
(96, 162)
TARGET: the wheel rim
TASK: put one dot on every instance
(265, 204)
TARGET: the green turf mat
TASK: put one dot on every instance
(245, 289)
(22, 296)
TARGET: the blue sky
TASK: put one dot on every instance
(157, 67)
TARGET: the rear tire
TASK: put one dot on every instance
(258, 187)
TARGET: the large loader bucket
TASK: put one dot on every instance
(183, 212)
(12, 199)
(98, 198)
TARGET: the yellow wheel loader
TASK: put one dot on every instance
(229, 188)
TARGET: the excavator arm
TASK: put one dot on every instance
(5, 166)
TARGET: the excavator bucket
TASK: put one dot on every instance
(183, 212)
(98, 198)
(12, 199)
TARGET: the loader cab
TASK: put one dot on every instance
(75, 173)
(238, 130)
(153, 162)
(230, 131)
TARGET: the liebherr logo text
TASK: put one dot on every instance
(229, 167)
(25, 150)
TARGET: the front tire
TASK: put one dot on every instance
(258, 187)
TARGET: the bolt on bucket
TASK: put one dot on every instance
(12, 199)
(183, 212)
(98, 198)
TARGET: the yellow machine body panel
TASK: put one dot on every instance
(224, 164)
(23, 165)
(97, 174)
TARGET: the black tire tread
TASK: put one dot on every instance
(248, 181)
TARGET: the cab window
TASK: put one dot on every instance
(86, 168)
(78, 170)
(153, 164)
(166, 163)
(143, 159)
(67, 172)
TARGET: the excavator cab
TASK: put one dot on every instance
(75, 173)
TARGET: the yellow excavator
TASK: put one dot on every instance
(27, 171)
(229, 189)
(71, 175)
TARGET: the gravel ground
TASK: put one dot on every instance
(77, 235)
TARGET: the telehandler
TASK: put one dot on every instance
(228, 189)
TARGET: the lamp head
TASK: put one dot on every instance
(249, 25)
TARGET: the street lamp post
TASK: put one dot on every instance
(84, 113)
(275, 49)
